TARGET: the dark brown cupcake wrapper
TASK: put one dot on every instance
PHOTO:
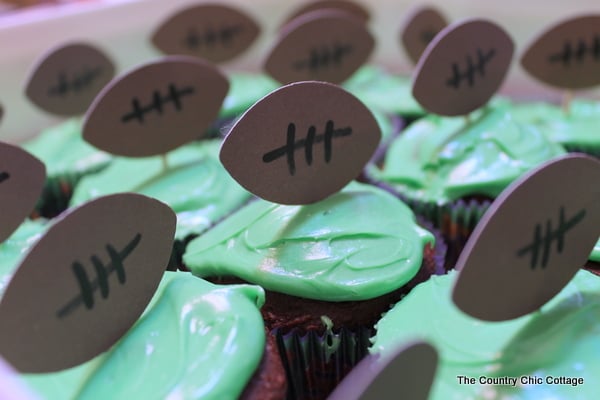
(316, 363)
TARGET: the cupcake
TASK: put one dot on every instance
(574, 129)
(328, 277)
(222, 352)
(68, 158)
(550, 353)
(449, 169)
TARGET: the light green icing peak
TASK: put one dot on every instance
(578, 128)
(440, 159)
(195, 341)
(64, 151)
(195, 186)
(355, 245)
(559, 340)
(245, 89)
(13, 248)
(595, 256)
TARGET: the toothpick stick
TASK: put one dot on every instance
(566, 101)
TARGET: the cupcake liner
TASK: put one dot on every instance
(316, 363)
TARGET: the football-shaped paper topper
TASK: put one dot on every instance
(301, 143)
(351, 7)
(65, 80)
(531, 241)
(326, 45)
(410, 369)
(566, 55)
(85, 282)
(419, 29)
(22, 178)
(156, 108)
(462, 67)
(214, 32)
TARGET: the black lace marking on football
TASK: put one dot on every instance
(77, 84)
(211, 38)
(542, 243)
(472, 69)
(427, 35)
(312, 138)
(4, 176)
(174, 96)
(577, 52)
(324, 57)
(103, 272)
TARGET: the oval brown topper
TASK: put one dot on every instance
(214, 32)
(66, 79)
(419, 29)
(411, 369)
(87, 280)
(156, 107)
(566, 55)
(351, 7)
(531, 241)
(462, 67)
(301, 143)
(22, 178)
(327, 45)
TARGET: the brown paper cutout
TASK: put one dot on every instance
(462, 67)
(350, 7)
(327, 45)
(567, 54)
(156, 108)
(279, 149)
(419, 29)
(410, 370)
(215, 32)
(22, 178)
(532, 240)
(85, 282)
(65, 80)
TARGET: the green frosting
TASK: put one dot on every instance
(245, 89)
(440, 159)
(195, 340)
(383, 91)
(195, 186)
(357, 244)
(13, 248)
(64, 151)
(595, 256)
(560, 340)
(578, 128)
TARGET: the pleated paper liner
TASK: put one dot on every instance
(315, 363)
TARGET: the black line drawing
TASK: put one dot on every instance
(289, 149)
(4, 176)
(543, 243)
(577, 52)
(472, 69)
(79, 83)
(324, 57)
(212, 37)
(174, 96)
(103, 272)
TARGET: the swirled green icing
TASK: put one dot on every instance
(245, 89)
(195, 340)
(595, 256)
(577, 128)
(440, 159)
(380, 90)
(13, 248)
(64, 151)
(357, 244)
(559, 340)
(195, 185)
